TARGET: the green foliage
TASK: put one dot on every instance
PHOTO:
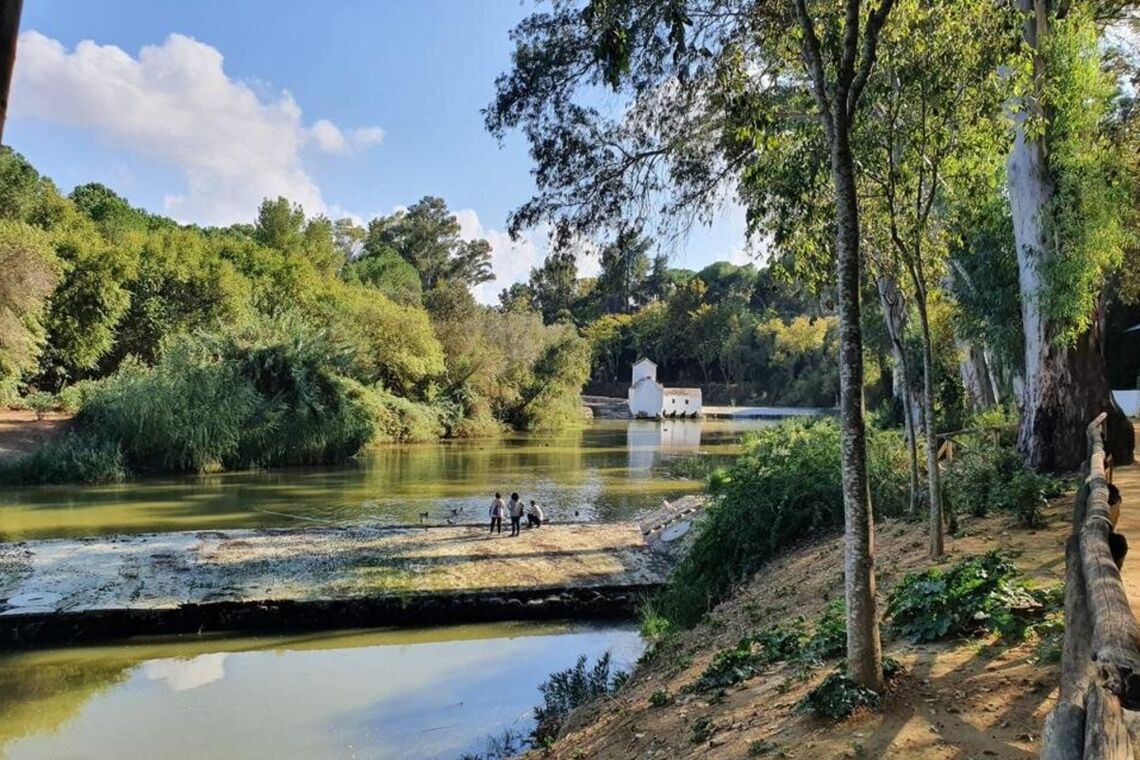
(659, 698)
(29, 275)
(214, 403)
(731, 666)
(836, 697)
(1090, 201)
(784, 488)
(72, 397)
(701, 730)
(986, 477)
(568, 689)
(783, 642)
(830, 636)
(74, 458)
(401, 420)
(41, 402)
(979, 594)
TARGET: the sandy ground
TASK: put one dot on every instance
(20, 431)
(157, 571)
(958, 700)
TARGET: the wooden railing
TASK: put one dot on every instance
(1100, 661)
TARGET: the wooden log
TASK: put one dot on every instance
(1106, 735)
(1116, 637)
(1063, 737)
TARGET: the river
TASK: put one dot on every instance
(432, 693)
(603, 471)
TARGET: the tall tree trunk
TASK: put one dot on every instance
(975, 372)
(1064, 385)
(933, 476)
(894, 314)
(9, 31)
(864, 649)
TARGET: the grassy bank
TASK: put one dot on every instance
(260, 398)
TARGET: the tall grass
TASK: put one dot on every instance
(784, 488)
(75, 458)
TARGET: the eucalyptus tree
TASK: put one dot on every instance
(1067, 213)
(931, 148)
(707, 86)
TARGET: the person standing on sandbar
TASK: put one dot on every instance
(497, 510)
(516, 510)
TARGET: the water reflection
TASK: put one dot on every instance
(603, 471)
(433, 693)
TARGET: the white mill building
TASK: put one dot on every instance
(648, 398)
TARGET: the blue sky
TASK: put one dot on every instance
(199, 109)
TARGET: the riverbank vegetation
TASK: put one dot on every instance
(956, 182)
(291, 340)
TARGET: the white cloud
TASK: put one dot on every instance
(176, 104)
(511, 260)
(366, 137)
(329, 138)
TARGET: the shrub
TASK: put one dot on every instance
(830, 637)
(784, 488)
(978, 594)
(212, 403)
(659, 698)
(401, 420)
(568, 689)
(74, 458)
(72, 397)
(837, 696)
(987, 478)
(730, 666)
(41, 402)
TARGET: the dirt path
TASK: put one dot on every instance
(1127, 479)
(20, 431)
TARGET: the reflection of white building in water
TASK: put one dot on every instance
(646, 441)
(648, 398)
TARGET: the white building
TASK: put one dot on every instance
(648, 398)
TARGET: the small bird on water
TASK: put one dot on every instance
(423, 517)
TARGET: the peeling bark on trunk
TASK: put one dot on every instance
(975, 372)
(894, 315)
(1064, 386)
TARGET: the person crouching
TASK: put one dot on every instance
(533, 515)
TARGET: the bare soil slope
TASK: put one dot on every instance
(960, 700)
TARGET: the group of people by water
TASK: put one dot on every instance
(515, 509)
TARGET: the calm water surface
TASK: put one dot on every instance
(434, 693)
(603, 471)
(380, 694)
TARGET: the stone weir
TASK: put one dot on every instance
(67, 590)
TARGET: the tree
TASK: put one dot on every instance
(427, 236)
(29, 274)
(707, 92)
(279, 224)
(1066, 213)
(555, 286)
(931, 147)
(625, 266)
